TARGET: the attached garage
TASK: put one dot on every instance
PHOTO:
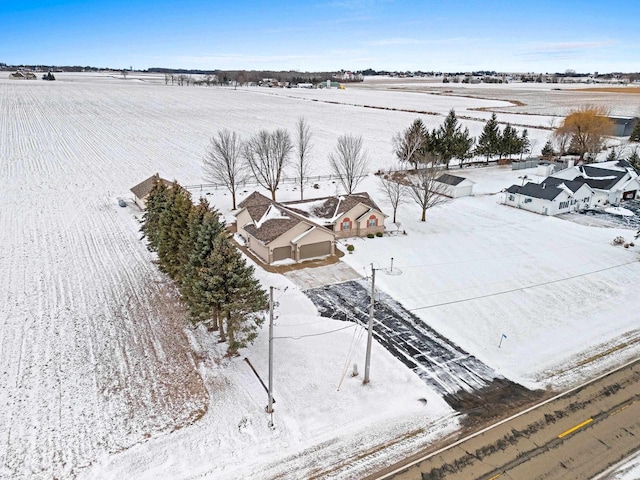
(281, 253)
(312, 250)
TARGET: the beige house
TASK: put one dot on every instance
(141, 191)
(22, 76)
(355, 215)
(275, 233)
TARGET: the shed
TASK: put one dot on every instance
(141, 191)
(544, 169)
(623, 126)
(455, 186)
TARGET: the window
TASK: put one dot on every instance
(528, 200)
(346, 224)
(564, 204)
(511, 198)
(373, 221)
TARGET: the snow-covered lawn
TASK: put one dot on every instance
(477, 269)
(96, 355)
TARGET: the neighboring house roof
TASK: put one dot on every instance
(330, 209)
(536, 190)
(448, 179)
(143, 188)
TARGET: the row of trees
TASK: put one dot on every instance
(196, 251)
(417, 145)
(229, 161)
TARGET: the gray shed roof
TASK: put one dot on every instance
(448, 179)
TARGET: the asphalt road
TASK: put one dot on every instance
(576, 436)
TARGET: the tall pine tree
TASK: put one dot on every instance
(155, 206)
(489, 140)
(173, 230)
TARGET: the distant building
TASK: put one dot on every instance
(22, 76)
(623, 126)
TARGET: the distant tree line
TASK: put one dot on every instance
(195, 250)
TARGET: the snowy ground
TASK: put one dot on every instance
(95, 357)
(628, 469)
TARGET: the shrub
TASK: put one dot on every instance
(379, 234)
(350, 248)
(370, 235)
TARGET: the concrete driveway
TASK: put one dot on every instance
(307, 278)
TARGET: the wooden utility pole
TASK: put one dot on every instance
(370, 333)
(270, 405)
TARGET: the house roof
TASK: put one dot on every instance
(542, 190)
(143, 188)
(573, 185)
(255, 199)
(271, 220)
(452, 180)
(331, 208)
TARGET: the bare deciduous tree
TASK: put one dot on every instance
(425, 191)
(303, 160)
(408, 144)
(223, 162)
(349, 162)
(267, 154)
(395, 191)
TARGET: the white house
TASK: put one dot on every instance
(455, 186)
(550, 198)
(611, 181)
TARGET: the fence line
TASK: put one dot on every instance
(253, 182)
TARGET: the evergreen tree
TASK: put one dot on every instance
(155, 206)
(450, 141)
(634, 159)
(489, 139)
(635, 135)
(547, 150)
(233, 293)
(613, 155)
(196, 287)
(525, 143)
(507, 141)
(173, 230)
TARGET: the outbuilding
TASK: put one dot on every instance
(455, 186)
(142, 190)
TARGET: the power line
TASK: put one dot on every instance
(319, 334)
(521, 288)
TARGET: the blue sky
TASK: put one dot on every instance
(541, 36)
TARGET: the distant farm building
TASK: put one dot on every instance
(22, 76)
(623, 126)
(455, 186)
(142, 190)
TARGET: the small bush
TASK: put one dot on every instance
(350, 248)
(371, 235)
(379, 234)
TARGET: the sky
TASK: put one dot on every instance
(325, 35)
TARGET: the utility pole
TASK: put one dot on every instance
(270, 406)
(370, 334)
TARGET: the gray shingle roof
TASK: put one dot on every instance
(450, 179)
(573, 185)
(536, 190)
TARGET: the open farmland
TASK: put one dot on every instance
(94, 354)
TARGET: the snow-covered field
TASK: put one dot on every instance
(96, 355)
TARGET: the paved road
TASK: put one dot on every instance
(573, 437)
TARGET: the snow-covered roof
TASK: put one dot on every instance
(327, 210)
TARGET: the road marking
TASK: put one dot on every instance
(495, 476)
(571, 430)
(622, 408)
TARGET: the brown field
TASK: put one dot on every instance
(635, 90)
